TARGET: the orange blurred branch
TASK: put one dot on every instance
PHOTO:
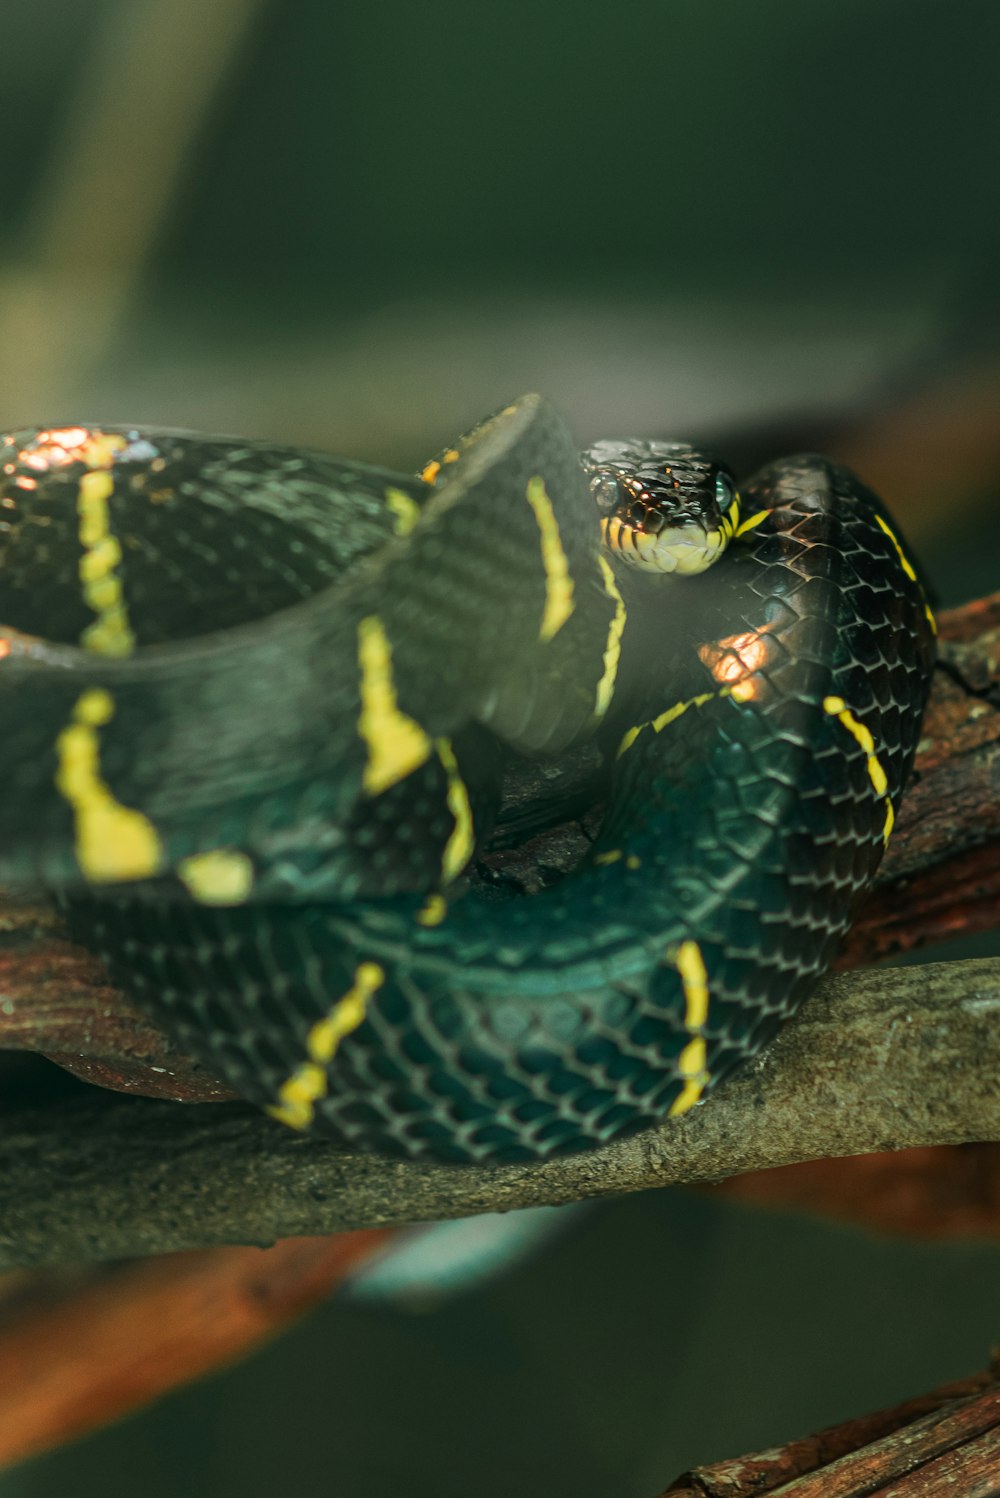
(73, 1360)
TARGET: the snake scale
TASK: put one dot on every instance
(259, 703)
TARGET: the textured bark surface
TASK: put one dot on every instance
(944, 1442)
(875, 1061)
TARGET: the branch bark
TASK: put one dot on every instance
(877, 1061)
(946, 1441)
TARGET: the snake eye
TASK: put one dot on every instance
(724, 491)
(604, 488)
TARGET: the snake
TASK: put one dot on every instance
(261, 705)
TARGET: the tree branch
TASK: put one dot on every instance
(875, 1061)
(945, 1441)
(75, 1357)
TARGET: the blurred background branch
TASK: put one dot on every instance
(149, 75)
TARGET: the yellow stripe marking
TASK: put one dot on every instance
(629, 739)
(731, 519)
(405, 509)
(611, 856)
(692, 1068)
(890, 821)
(613, 643)
(907, 567)
(751, 522)
(656, 724)
(112, 841)
(694, 978)
(903, 558)
(396, 743)
(461, 844)
(223, 876)
(558, 583)
(299, 1093)
(100, 448)
(430, 472)
(837, 708)
(691, 1063)
(434, 911)
(450, 455)
(110, 633)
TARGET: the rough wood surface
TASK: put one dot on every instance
(943, 1442)
(875, 1061)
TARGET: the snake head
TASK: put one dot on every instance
(663, 506)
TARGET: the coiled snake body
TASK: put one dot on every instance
(256, 707)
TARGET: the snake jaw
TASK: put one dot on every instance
(683, 549)
(663, 506)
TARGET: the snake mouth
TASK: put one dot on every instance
(683, 549)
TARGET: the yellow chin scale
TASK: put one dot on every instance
(683, 549)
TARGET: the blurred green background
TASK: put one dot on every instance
(361, 226)
(364, 225)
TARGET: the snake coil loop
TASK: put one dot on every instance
(258, 705)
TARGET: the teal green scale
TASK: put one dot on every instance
(758, 719)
